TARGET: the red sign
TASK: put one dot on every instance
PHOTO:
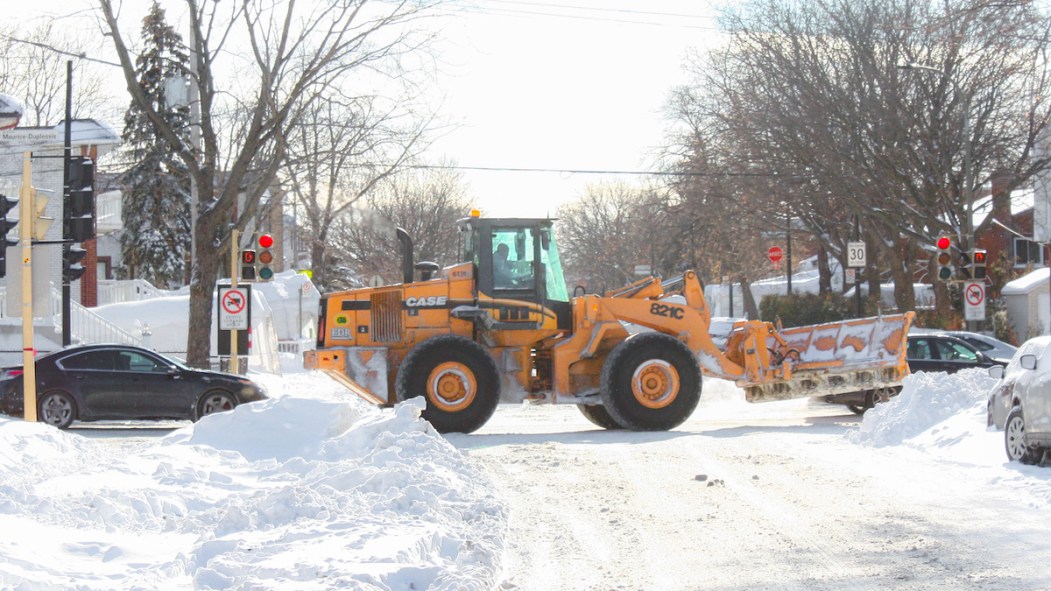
(775, 254)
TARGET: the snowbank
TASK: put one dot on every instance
(251, 500)
(926, 400)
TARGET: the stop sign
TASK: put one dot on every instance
(775, 254)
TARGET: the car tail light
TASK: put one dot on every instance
(12, 373)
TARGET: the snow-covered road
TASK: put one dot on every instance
(769, 496)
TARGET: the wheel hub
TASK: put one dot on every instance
(655, 383)
(451, 386)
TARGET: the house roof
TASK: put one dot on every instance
(83, 132)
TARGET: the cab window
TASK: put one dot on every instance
(513, 258)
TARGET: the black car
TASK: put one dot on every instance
(122, 382)
(934, 352)
(925, 352)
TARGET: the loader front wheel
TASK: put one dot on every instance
(650, 382)
(598, 415)
(458, 379)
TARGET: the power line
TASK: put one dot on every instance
(479, 10)
(670, 173)
(594, 9)
(80, 55)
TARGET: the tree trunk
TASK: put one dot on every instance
(751, 311)
(824, 273)
(901, 271)
(204, 276)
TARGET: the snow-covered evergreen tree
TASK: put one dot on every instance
(156, 188)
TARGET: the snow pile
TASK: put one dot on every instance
(296, 492)
(927, 399)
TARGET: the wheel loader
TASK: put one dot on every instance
(501, 325)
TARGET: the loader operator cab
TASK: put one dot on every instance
(518, 259)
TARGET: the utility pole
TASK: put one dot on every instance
(25, 235)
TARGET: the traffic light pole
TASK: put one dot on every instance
(67, 154)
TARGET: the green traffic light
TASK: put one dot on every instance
(266, 273)
(945, 273)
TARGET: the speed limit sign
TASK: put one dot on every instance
(855, 254)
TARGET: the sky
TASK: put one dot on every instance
(314, 489)
(544, 86)
(558, 86)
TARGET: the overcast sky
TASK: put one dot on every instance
(536, 84)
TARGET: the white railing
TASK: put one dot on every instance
(295, 347)
(108, 212)
(128, 290)
(88, 327)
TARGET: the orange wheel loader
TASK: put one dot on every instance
(500, 325)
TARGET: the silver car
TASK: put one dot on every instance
(993, 348)
(1021, 401)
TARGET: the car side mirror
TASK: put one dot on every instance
(1028, 361)
(996, 372)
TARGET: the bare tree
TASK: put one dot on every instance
(34, 71)
(812, 91)
(425, 203)
(294, 53)
(607, 232)
(343, 150)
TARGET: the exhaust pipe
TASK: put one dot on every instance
(407, 264)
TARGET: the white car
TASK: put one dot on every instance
(991, 347)
(1021, 401)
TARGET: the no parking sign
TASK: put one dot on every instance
(233, 308)
(974, 300)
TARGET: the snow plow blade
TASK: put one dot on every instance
(835, 358)
(362, 370)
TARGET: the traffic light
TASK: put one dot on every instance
(963, 266)
(266, 257)
(41, 222)
(80, 215)
(978, 262)
(944, 259)
(72, 255)
(6, 225)
(248, 259)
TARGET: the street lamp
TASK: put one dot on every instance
(967, 240)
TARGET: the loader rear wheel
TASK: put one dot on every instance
(457, 377)
(650, 382)
(598, 415)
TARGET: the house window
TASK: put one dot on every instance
(1027, 252)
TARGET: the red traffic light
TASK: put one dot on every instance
(944, 243)
(247, 257)
(266, 240)
(979, 257)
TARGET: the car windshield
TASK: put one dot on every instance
(955, 351)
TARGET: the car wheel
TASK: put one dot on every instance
(213, 402)
(57, 409)
(1014, 439)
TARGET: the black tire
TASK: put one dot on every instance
(880, 395)
(457, 377)
(598, 415)
(650, 382)
(1014, 439)
(57, 408)
(215, 401)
